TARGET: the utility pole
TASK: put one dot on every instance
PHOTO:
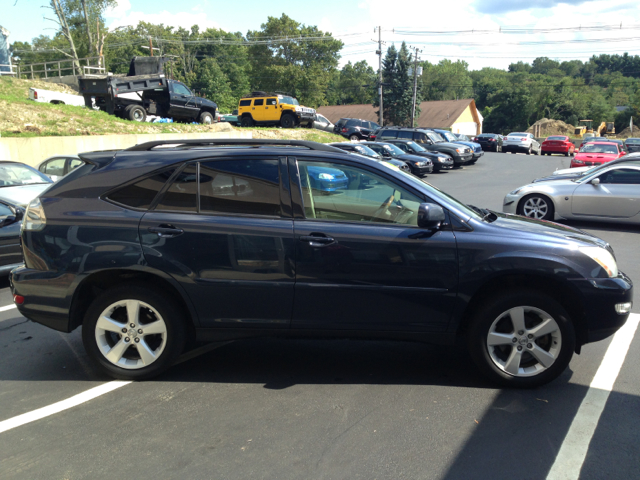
(379, 53)
(150, 46)
(415, 85)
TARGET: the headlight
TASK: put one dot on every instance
(298, 109)
(578, 161)
(34, 218)
(459, 150)
(603, 258)
(421, 164)
(443, 159)
(515, 192)
(326, 176)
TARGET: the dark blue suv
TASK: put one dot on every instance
(166, 243)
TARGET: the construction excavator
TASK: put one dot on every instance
(586, 126)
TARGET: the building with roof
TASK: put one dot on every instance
(459, 116)
(5, 57)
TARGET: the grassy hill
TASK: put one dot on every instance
(22, 117)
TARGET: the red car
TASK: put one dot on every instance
(558, 144)
(596, 153)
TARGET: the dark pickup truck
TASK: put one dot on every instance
(156, 95)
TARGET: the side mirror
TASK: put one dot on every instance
(595, 182)
(430, 216)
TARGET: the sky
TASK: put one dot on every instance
(480, 32)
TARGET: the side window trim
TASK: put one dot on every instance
(105, 196)
(166, 186)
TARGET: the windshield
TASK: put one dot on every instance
(462, 137)
(366, 151)
(393, 149)
(456, 203)
(415, 147)
(435, 138)
(598, 148)
(450, 137)
(288, 99)
(12, 175)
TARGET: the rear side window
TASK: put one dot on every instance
(388, 134)
(353, 123)
(249, 187)
(258, 101)
(182, 195)
(341, 122)
(245, 103)
(142, 193)
(407, 135)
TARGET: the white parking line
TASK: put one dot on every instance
(8, 307)
(576, 443)
(60, 406)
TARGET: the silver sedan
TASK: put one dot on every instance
(611, 194)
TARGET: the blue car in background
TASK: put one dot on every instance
(476, 148)
(327, 179)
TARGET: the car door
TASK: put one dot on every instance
(616, 195)
(182, 101)
(361, 261)
(223, 229)
(258, 110)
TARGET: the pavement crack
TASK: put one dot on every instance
(14, 325)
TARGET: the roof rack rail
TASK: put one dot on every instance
(215, 142)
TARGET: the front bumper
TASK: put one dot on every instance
(462, 158)
(600, 297)
(510, 203)
(421, 170)
(446, 165)
(305, 118)
(477, 155)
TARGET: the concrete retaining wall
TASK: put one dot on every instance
(34, 150)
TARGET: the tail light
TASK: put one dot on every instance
(35, 95)
(372, 137)
(523, 139)
(19, 299)
(492, 139)
(475, 139)
(344, 130)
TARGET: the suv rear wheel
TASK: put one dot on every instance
(521, 339)
(135, 113)
(354, 137)
(133, 333)
(246, 121)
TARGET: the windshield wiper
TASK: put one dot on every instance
(483, 212)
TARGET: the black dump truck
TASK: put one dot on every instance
(156, 94)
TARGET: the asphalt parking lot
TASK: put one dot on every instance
(277, 409)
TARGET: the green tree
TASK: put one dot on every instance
(354, 84)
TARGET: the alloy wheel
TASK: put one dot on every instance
(524, 341)
(131, 334)
(535, 207)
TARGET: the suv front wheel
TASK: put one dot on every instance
(521, 339)
(133, 333)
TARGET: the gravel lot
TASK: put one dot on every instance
(317, 409)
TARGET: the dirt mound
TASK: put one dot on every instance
(626, 133)
(552, 127)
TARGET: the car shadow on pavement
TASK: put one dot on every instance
(281, 363)
(602, 226)
(521, 433)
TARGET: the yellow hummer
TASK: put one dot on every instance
(262, 109)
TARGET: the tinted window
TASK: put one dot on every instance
(181, 89)
(599, 148)
(245, 103)
(258, 102)
(142, 193)
(420, 137)
(341, 122)
(627, 176)
(335, 192)
(404, 134)
(249, 187)
(182, 195)
(353, 123)
(4, 211)
(388, 134)
(272, 101)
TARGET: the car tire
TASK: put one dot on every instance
(206, 118)
(144, 354)
(247, 121)
(135, 113)
(521, 338)
(354, 138)
(536, 206)
(529, 151)
(287, 121)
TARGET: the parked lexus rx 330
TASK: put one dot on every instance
(167, 242)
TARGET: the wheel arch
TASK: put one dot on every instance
(543, 194)
(96, 283)
(562, 292)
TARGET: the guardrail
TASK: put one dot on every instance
(60, 68)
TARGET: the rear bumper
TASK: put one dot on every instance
(516, 148)
(554, 149)
(492, 147)
(45, 293)
(600, 297)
